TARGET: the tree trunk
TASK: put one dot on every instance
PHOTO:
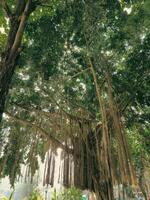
(103, 186)
(13, 47)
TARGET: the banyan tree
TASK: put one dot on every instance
(79, 78)
(95, 153)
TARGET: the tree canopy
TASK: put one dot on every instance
(80, 83)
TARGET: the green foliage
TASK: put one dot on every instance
(54, 195)
(14, 152)
(57, 41)
(68, 194)
(36, 196)
(138, 138)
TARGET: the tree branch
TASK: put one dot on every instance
(6, 8)
(44, 5)
(52, 115)
(20, 31)
(41, 131)
(72, 116)
(79, 73)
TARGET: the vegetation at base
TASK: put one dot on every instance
(9, 198)
(66, 194)
(70, 194)
(35, 195)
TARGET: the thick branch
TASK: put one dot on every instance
(41, 131)
(6, 8)
(50, 114)
(20, 31)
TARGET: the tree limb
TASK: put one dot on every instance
(44, 5)
(41, 131)
(51, 115)
(6, 8)
(72, 116)
(79, 73)
(20, 31)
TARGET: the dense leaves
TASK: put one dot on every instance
(53, 75)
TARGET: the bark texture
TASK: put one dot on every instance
(17, 21)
